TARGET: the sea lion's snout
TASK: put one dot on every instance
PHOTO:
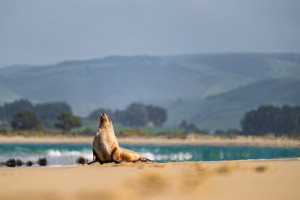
(104, 118)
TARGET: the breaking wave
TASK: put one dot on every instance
(168, 157)
(67, 157)
(67, 154)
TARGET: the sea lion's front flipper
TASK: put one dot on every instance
(94, 156)
(95, 159)
(115, 155)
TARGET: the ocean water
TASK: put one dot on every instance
(67, 154)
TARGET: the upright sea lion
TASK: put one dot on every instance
(106, 146)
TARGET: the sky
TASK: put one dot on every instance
(50, 31)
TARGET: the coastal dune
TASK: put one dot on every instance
(245, 179)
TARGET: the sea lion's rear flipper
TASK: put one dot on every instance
(115, 155)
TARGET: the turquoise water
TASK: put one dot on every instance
(67, 154)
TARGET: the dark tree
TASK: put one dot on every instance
(231, 131)
(48, 111)
(67, 121)
(140, 115)
(270, 119)
(2, 113)
(289, 119)
(11, 109)
(261, 121)
(121, 117)
(26, 120)
(157, 115)
(136, 115)
(183, 125)
(191, 128)
(228, 132)
(220, 132)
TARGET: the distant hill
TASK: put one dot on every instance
(7, 95)
(225, 110)
(115, 82)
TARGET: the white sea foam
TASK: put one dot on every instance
(58, 153)
(174, 156)
(66, 157)
(54, 153)
(221, 155)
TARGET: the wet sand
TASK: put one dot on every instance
(203, 140)
(248, 179)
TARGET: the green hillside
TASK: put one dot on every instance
(7, 95)
(225, 110)
(115, 82)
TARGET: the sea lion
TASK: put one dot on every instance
(106, 146)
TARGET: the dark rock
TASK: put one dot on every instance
(81, 160)
(42, 161)
(11, 163)
(19, 162)
(29, 163)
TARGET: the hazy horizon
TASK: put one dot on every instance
(43, 33)
(140, 55)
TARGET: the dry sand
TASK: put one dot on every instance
(248, 179)
(203, 140)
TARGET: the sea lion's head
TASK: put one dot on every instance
(105, 120)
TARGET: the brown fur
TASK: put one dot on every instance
(131, 156)
(106, 146)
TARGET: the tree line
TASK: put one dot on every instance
(134, 115)
(27, 120)
(23, 115)
(283, 120)
(44, 111)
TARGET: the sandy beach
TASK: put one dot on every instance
(247, 179)
(242, 179)
(203, 140)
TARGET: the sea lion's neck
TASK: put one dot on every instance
(101, 124)
(106, 128)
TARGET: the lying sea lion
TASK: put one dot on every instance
(106, 146)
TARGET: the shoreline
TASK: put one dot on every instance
(203, 140)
